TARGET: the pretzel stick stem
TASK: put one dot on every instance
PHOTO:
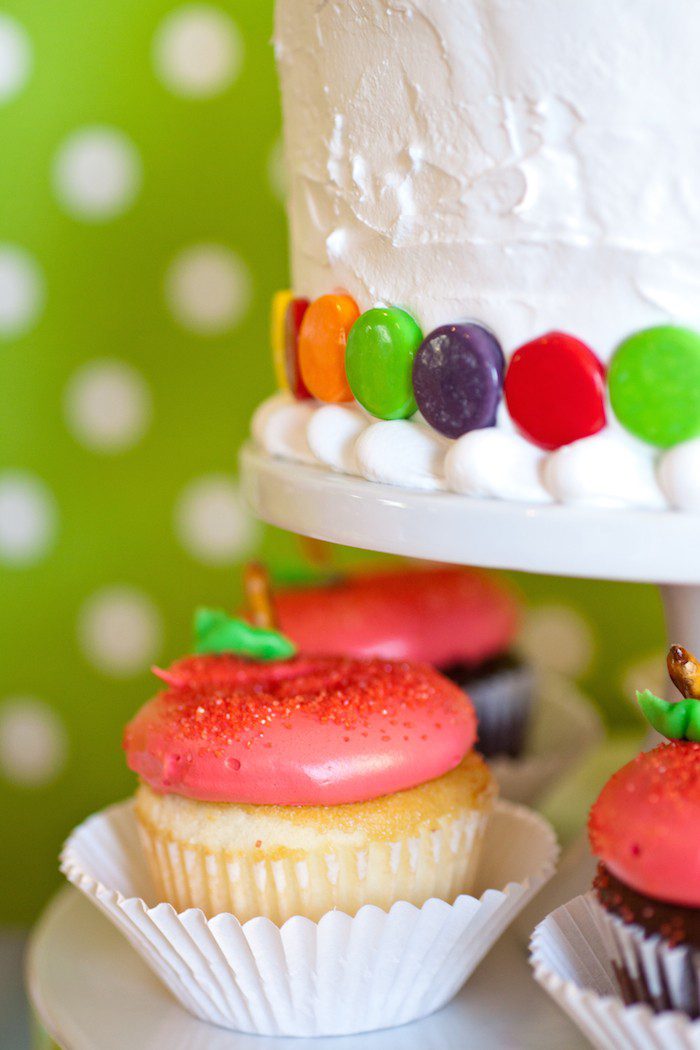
(684, 671)
(258, 593)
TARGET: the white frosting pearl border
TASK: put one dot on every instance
(610, 469)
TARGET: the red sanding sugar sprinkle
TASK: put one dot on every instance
(664, 782)
(670, 770)
(223, 696)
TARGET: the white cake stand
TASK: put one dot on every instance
(661, 547)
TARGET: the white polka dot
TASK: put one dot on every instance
(21, 291)
(197, 51)
(27, 518)
(97, 173)
(208, 288)
(213, 521)
(276, 171)
(646, 672)
(15, 57)
(557, 638)
(33, 743)
(107, 405)
(119, 630)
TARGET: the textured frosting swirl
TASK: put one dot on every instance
(645, 824)
(512, 161)
(306, 731)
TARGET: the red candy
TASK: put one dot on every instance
(555, 390)
(292, 323)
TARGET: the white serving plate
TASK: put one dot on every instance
(91, 991)
(642, 545)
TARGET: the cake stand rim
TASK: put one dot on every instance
(644, 546)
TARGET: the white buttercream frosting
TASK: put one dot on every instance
(265, 410)
(609, 469)
(332, 433)
(679, 475)
(496, 463)
(279, 425)
(401, 452)
(529, 163)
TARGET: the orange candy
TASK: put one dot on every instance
(322, 338)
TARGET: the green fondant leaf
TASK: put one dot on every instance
(668, 718)
(216, 632)
(692, 731)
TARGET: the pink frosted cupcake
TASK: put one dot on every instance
(293, 785)
(645, 830)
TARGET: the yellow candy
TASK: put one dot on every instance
(278, 313)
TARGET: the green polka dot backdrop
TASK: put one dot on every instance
(142, 236)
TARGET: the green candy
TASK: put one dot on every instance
(654, 383)
(216, 632)
(678, 720)
(379, 361)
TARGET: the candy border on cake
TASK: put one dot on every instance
(609, 449)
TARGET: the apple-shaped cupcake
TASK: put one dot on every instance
(313, 827)
(274, 784)
(645, 830)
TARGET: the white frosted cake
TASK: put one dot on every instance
(494, 210)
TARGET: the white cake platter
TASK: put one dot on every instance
(643, 546)
(91, 990)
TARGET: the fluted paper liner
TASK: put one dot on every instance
(665, 977)
(571, 959)
(503, 713)
(338, 976)
(565, 727)
(438, 862)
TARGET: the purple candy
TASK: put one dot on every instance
(457, 378)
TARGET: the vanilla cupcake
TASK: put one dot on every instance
(298, 785)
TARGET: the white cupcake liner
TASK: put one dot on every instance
(503, 701)
(339, 976)
(564, 728)
(664, 977)
(571, 958)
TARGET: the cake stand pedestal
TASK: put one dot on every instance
(660, 547)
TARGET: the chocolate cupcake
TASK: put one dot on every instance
(645, 830)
